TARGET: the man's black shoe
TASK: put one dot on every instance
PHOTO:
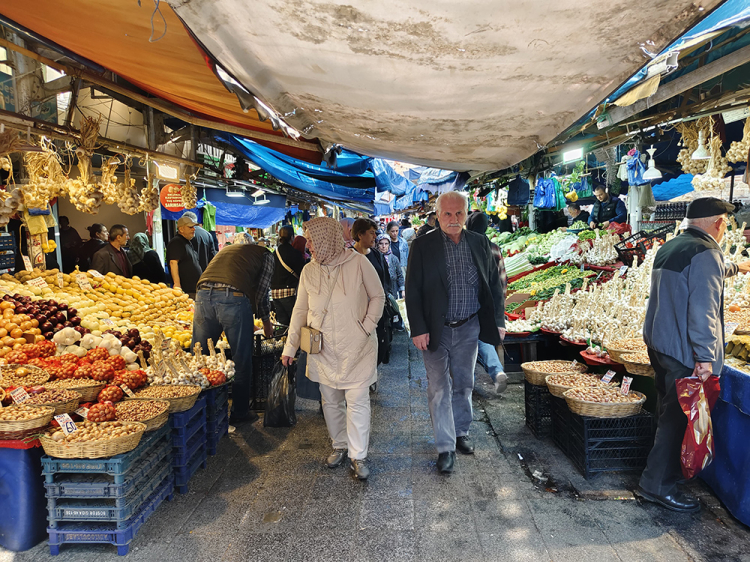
(445, 462)
(676, 501)
(250, 417)
(464, 446)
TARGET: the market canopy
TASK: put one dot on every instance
(479, 84)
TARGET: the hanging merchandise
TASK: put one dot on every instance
(622, 170)
(209, 215)
(560, 201)
(83, 191)
(518, 192)
(647, 197)
(635, 168)
(718, 167)
(544, 193)
(189, 193)
(690, 133)
(738, 150)
(46, 176)
(127, 194)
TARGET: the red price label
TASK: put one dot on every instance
(625, 388)
(19, 395)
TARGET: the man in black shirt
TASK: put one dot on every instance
(182, 257)
(202, 242)
(427, 226)
(287, 269)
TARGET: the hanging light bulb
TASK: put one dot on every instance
(652, 173)
(701, 153)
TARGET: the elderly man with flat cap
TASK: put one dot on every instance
(684, 332)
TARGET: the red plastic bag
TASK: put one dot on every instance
(697, 399)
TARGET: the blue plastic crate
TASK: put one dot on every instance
(214, 411)
(7, 260)
(213, 439)
(91, 533)
(183, 474)
(183, 419)
(118, 511)
(213, 425)
(182, 435)
(83, 486)
(116, 466)
(181, 456)
(215, 395)
(7, 241)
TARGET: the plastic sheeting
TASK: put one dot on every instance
(673, 188)
(236, 211)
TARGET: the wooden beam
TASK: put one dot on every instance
(39, 127)
(161, 105)
(683, 83)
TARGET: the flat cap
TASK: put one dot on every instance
(708, 207)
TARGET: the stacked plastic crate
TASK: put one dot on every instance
(217, 415)
(189, 451)
(107, 500)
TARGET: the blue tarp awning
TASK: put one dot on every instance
(673, 188)
(238, 211)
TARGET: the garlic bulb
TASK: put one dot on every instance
(718, 167)
(738, 149)
(189, 194)
(128, 199)
(149, 198)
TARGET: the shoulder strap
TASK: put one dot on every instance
(284, 265)
(330, 294)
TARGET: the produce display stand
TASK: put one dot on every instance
(23, 518)
(189, 443)
(727, 474)
(606, 362)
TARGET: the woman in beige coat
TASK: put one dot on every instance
(346, 365)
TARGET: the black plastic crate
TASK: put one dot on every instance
(602, 444)
(8, 241)
(640, 242)
(7, 259)
(538, 414)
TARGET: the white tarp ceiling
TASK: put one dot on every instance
(463, 85)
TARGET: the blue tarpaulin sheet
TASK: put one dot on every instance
(673, 188)
(238, 211)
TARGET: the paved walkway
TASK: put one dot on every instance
(267, 496)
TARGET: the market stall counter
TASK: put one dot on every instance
(727, 474)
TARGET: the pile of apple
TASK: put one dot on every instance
(47, 315)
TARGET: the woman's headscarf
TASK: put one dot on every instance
(138, 247)
(386, 238)
(346, 224)
(300, 244)
(327, 236)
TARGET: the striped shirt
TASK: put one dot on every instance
(463, 279)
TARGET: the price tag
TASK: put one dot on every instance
(581, 267)
(83, 281)
(67, 424)
(19, 395)
(622, 271)
(729, 328)
(107, 322)
(609, 376)
(126, 389)
(573, 364)
(165, 344)
(60, 282)
(27, 263)
(83, 412)
(625, 387)
(95, 273)
(38, 282)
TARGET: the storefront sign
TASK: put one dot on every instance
(171, 197)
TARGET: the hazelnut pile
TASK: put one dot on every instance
(601, 395)
(168, 391)
(52, 396)
(22, 412)
(90, 431)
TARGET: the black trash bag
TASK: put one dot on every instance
(281, 397)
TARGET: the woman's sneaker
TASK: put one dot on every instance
(336, 458)
(501, 383)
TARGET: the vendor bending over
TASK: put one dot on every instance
(607, 209)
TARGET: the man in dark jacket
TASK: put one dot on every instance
(287, 269)
(203, 243)
(453, 299)
(111, 258)
(607, 209)
(428, 225)
(684, 332)
(577, 214)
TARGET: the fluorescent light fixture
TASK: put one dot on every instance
(573, 155)
(652, 173)
(263, 201)
(257, 193)
(167, 171)
(701, 153)
(237, 192)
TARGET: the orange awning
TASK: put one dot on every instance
(115, 34)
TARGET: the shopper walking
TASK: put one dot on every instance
(288, 264)
(98, 238)
(340, 295)
(144, 259)
(488, 354)
(365, 234)
(346, 224)
(234, 287)
(396, 285)
(111, 258)
(399, 247)
(428, 225)
(184, 264)
(453, 299)
(684, 332)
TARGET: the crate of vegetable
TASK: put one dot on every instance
(640, 242)
(541, 284)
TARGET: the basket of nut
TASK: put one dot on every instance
(637, 364)
(617, 348)
(93, 440)
(560, 382)
(153, 413)
(22, 375)
(87, 388)
(180, 397)
(603, 402)
(20, 421)
(536, 371)
(63, 401)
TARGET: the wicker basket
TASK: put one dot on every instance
(151, 423)
(2, 394)
(616, 353)
(559, 389)
(63, 407)
(92, 449)
(539, 378)
(181, 404)
(605, 409)
(24, 428)
(35, 377)
(636, 367)
(89, 389)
